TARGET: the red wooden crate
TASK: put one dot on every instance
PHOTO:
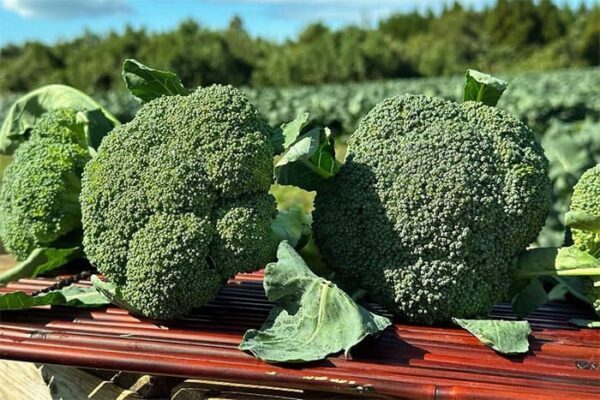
(406, 361)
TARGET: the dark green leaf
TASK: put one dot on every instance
(483, 88)
(312, 317)
(575, 285)
(529, 299)
(294, 226)
(25, 112)
(309, 161)
(40, 261)
(147, 83)
(536, 262)
(558, 292)
(69, 296)
(582, 220)
(506, 337)
(113, 293)
(585, 323)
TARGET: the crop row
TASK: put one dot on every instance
(536, 98)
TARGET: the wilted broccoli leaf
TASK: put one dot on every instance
(483, 88)
(69, 296)
(312, 317)
(506, 337)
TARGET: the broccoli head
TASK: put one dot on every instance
(39, 196)
(432, 206)
(176, 201)
(586, 198)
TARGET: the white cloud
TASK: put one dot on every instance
(65, 8)
(398, 3)
(349, 10)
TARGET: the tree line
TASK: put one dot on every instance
(508, 36)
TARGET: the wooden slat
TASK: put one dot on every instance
(406, 361)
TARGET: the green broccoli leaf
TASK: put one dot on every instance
(312, 317)
(147, 83)
(40, 261)
(551, 261)
(93, 127)
(286, 134)
(294, 226)
(585, 323)
(83, 297)
(567, 266)
(572, 261)
(558, 292)
(483, 88)
(309, 161)
(529, 299)
(506, 337)
(69, 296)
(582, 220)
(113, 293)
(25, 112)
(535, 262)
(292, 129)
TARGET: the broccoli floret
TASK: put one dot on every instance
(586, 197)
(39, 196)
(432, 206)
(176, 201)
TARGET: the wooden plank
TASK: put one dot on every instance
(26, 381)
(22, 381)
(73, 383)
(6, 262)
(195, 389)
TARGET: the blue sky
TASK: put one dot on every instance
(53, 20)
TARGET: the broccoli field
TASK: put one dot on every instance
(561, 107)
